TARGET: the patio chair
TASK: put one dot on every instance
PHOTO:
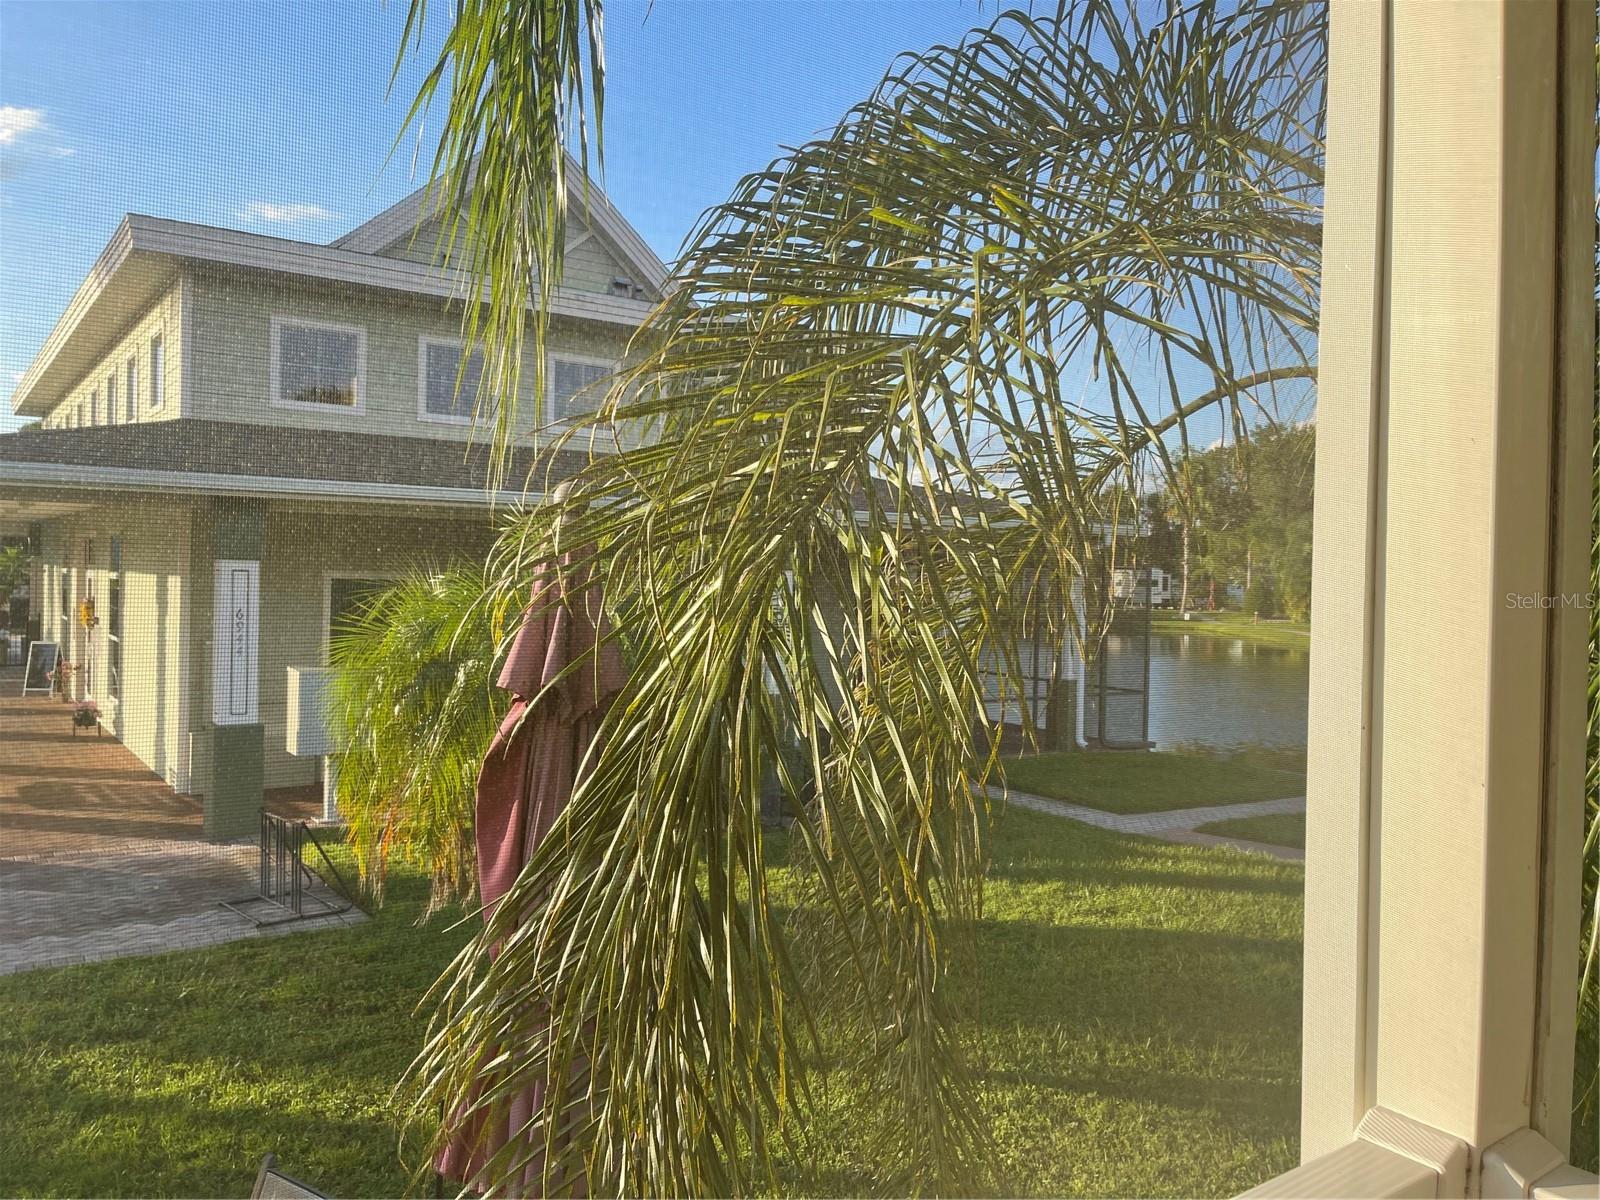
(273, 1184)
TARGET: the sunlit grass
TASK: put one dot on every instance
(1135, 1031)
(1130, 781)
(1235, 625)
(1273, 829)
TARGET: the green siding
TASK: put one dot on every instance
(230, 359)
(423, 245)
(591, 262)
(591, 266)
(163, 317)
(305, 546)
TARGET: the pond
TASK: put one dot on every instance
(1222, 692)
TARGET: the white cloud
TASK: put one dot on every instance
(21, 130)
(283, 214)
(15, 121)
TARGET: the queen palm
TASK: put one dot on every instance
(891, 413)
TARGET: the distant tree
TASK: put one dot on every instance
(1162, 521)
(1244, 514)
(1223, 509)
(13, 567)
(1261, 599)
(1278, 530)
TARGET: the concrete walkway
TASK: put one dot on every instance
(1174, 825)
(99, 858)
(144, 896)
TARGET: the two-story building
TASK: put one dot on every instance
(238, 435)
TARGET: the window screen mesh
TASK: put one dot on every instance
(255, 432)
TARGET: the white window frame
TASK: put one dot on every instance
(115, 579)
(130, 402)
(376, 575)
(1447, 728)
(112, 414)
(64, 598)
(424, 341)
(549, 420)
(275, 382)
(88, 674)
(158, 370)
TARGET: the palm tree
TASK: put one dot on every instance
(857, 459)
(416, 725)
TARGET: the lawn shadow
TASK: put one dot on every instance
(1118, 992)
(209, 1149)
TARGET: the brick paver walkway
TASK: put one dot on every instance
(99, 858)
(1174, 825)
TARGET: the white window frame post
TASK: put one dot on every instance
(1447, 723)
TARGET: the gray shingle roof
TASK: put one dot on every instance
(276, 452)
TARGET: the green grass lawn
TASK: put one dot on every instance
(1275, 829)
(1235, 625)
(1131, 781)
(1137, 1033)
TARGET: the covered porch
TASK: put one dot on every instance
(184, 605)
(99, 856)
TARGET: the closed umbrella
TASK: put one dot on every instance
(526, 779)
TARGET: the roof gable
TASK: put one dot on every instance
(598, 235)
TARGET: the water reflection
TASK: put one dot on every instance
(1223, 691)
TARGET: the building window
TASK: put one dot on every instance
(575, 385)
(64, 614)
(318, 365)
(114, 622)
(158, 365)
(130, 402)
(86, 603)
(347, 598)
(438, 374)
(111, 398)
(94, 407)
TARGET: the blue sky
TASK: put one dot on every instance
(277, 118)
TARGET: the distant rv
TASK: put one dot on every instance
(1129, 582)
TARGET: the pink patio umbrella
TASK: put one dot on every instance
(526, 779)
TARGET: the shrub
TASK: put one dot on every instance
(1261, 599)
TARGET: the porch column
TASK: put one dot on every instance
(228, 537)
(1444, 823)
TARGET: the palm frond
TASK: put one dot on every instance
(1586, 1089)
(519, 80)
(871, 449)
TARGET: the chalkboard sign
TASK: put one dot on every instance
(42, 658)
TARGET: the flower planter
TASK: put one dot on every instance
(85, 715)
